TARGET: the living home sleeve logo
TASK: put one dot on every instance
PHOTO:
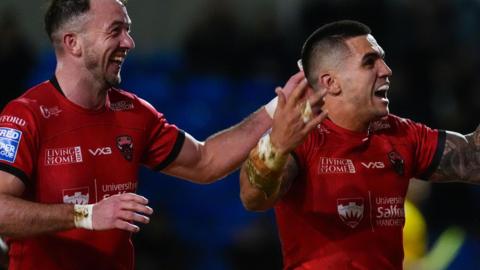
(350, 211)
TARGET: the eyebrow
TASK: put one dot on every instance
(119, 23)
(375, 55)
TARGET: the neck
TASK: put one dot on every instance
(80, 87)
(347, 119)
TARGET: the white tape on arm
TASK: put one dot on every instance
(271, 107)
(83, 216)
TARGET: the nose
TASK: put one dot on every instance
(127, 41)
(384, 70)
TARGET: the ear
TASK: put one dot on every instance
(329, 82)
(72, 44)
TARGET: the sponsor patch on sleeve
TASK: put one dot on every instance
(9, 141)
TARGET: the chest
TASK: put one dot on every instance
(357, 184)
(85, 159)
(380, 166)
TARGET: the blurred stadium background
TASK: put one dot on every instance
(206, 64)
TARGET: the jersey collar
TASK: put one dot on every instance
(55, 84)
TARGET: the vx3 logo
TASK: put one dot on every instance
(373, 165)
(100, 151)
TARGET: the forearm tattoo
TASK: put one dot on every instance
(461, 158)
(289, 173)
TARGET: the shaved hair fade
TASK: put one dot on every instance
(326, 46)
(63, 12)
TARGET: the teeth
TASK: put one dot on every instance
(383, 87)
(118, 59)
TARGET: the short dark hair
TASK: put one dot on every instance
(324, 40)
(61, 11)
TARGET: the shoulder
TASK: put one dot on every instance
(23, 114)
(31, 100)
(406, 131)
(395, 124)
(122, 100)
(129, 106)
(389, 123)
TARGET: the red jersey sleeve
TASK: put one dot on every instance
(428, 146)
(164, 141)
(18, 140)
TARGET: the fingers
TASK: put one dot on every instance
(316, 99)
(282, 100)
(292, 83)
(136, 207)
(295, 79)
(313, 123)
(133, 217)
(134, 202)
(123, 225)
(133, 197)
(121, 211)
(299, 92)
(129, 213)
(130, 207)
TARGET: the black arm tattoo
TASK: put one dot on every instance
(290, 172)
(461, 159)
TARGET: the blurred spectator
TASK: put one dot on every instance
(414, 235)
(214, 43)
(443, 252)
(446, 242)
(266, 53)
(16, 57)
(218, 44)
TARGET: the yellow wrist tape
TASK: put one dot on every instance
(83, 216)
(264, 166)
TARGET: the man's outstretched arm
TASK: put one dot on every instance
(222, 153)
(460, 160)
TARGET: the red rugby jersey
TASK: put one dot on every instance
(346, 208)
(68, 154)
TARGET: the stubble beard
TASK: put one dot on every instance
(93, 64)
